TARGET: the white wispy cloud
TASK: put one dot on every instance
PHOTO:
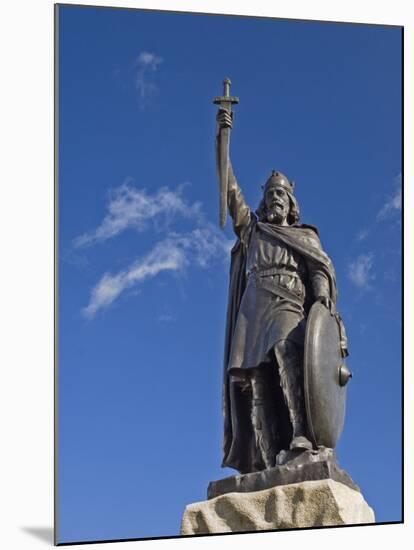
(161, 258)
(360, 271)
(131, 207)
(200, 247)
(146, 64)
(166, 318)
(362, 235)
(393, 203)
(204, 244)
(389, 210)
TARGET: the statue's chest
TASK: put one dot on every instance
(265, 252)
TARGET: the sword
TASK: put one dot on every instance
(225, 102)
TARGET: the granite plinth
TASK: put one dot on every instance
(307, 504)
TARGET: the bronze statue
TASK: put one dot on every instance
(278, 272)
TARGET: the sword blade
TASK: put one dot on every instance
(224, 173)
(225, 102)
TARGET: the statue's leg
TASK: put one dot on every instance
(263, 417)
(289, 357)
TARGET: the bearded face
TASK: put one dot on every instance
(277, 204)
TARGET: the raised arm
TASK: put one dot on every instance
(237, 206)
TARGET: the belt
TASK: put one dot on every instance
(259, 278)
(282, 292)
(271, 271)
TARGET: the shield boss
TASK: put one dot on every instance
(325, 376)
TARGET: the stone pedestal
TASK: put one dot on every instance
(289, 506)
(291, 467)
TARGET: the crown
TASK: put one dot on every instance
(279, 179)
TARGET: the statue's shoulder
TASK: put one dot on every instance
(311, 230)
(308, 234)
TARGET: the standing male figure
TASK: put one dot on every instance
(278, 270)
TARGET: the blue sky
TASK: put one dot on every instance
(143, 267)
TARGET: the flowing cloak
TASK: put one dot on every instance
(239, 446)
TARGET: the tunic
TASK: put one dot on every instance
(264, 316)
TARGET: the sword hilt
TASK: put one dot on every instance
(226, 100)
(226, 87)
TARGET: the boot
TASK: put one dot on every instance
(263, 419)
(290, 362)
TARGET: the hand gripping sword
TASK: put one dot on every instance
(225, 102)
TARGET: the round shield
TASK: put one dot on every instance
(325, 377)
